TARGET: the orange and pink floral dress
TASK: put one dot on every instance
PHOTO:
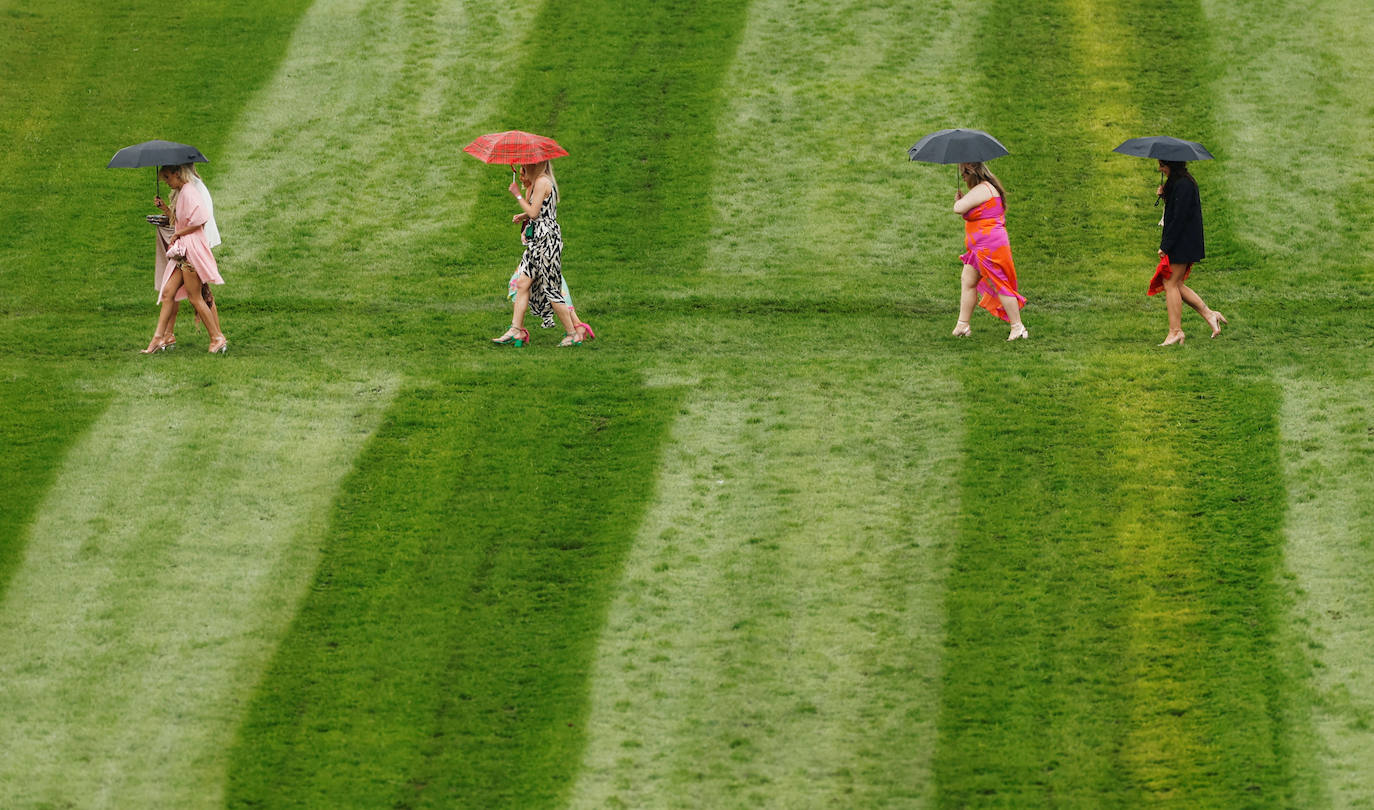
(989, 251)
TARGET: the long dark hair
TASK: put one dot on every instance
(1178, 170)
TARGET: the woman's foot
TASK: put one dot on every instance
(219, 345)
(1018, 332)
(1216, 321)
(573, 338)
(515, 336)
(1174, 339)
(157, 344)
(961, 329)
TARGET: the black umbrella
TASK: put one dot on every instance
(957, 146)
(155, 153)
(1162, 147)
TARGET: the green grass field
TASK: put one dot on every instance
(773, 539)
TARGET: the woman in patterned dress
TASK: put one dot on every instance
(538, 282)
(989, 276)
(1180, 246)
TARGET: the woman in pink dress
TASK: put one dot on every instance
(162, 238)
(989, 276)
(190, 263)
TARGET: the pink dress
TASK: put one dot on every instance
(192, 212)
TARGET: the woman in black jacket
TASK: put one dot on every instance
(1179, 247)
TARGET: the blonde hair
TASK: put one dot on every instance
(537, 170)
(975, 173)
(184, 171)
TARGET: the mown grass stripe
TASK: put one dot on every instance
(1328, 453)
(1113, 606)
(435, 662)
(775, 638)
(159, 573)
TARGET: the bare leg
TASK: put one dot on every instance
(1013, 308)
(522, 301)
(968, 297)
(565, 317)
(1213, 318)
(192, 282)
(214, 318)
(1173, 304)
(516, 333)
(166, 316)
(578, 321)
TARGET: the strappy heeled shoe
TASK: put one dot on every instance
(961, 329)
(219, 345)
(157, 344)
(571, 339)
(169, 342)
(1174, 339)
(515, 336)
(587, 329)
(1217, 320)
(1018, 332)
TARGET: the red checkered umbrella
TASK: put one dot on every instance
(514, 147)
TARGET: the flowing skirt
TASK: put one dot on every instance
(996, 276)
(1163, 272)
(543, 263)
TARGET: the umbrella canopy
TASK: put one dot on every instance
(957, 146)
(1162, 147)
(514, 147)
(155, 153)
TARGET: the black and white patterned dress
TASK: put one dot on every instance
(543, 261)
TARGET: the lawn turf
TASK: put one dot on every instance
(695, 296)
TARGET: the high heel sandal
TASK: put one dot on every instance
(157, 344)
(961, 329)
(1217, 320)
(1170, 340)
(1018, 332)
(515, 336)
(169, 342)
(220, 346)
(587, 328)
(570, 339)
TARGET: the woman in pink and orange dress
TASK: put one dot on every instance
(989, 276)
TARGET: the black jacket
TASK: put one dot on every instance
(1182, 239)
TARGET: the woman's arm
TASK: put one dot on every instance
(975, 197)
(542, 188)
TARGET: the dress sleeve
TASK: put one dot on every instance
(191, 209)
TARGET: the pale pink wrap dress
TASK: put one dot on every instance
(191, 211)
